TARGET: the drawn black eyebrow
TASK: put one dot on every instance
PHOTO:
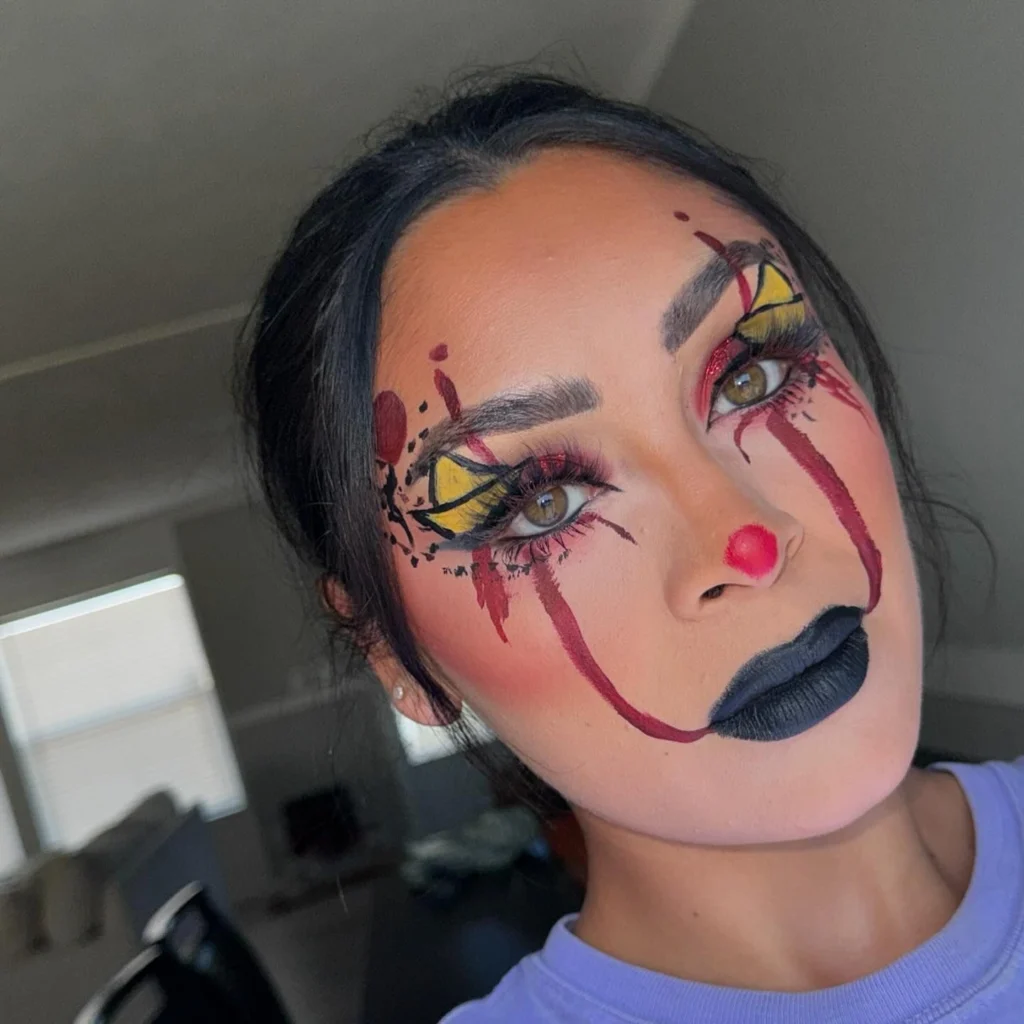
(695, 300)
(509, 412)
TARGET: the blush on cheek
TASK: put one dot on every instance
(521, 675)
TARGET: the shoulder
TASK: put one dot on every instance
(988, 785)
(1012, 775)
(529, 994)
(511, 1000)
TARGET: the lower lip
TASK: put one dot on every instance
(809, 698)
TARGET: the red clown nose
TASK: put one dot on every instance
(752, 550)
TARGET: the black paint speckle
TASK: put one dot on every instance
(423, 407)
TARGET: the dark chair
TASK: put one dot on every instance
(191, 930)
(157, 988)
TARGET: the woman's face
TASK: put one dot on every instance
(642, 517)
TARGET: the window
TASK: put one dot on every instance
(422, 743)
(11, 851)
(108, 699)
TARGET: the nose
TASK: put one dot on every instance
(733, 542)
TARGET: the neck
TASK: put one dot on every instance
(787, 916)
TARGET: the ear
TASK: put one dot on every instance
(403, 691)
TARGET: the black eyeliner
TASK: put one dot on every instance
(793, 342)
(525, 480)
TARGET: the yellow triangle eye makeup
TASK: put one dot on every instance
(463, 495)
(777, 325)
(472, 503)
(775, 308)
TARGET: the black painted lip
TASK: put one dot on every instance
(776, 667)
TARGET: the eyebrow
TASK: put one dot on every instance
(509, 412)
(695, 300)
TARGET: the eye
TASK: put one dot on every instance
(548, 510)
(749, 385)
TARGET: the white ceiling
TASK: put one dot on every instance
(151, 158)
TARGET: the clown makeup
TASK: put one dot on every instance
(639, 508)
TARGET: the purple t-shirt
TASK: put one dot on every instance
(971, 970)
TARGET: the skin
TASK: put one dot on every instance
(788, 865)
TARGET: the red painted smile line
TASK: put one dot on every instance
(569, 633)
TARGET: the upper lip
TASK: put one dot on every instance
(815, 642)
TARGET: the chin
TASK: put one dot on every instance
(857, 761)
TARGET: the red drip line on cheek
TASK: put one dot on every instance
(840, 389)
(823, 473)
(713, 243)
(575, 646)
(490, 588)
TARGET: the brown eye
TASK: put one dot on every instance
(746, 386)
(548, 508)
(750, 385)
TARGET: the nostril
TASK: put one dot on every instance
(712, 592)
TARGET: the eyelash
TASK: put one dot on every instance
(540, 471)
(792, 345)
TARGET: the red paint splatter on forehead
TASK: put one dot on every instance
(389, 426)
(439, 353)
(741, 282)
(446, 389)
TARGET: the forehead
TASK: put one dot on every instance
(575, 252)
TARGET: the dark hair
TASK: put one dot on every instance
(307, 379)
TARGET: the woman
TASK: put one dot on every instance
(563, 407)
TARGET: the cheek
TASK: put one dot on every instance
(854, 444)
(457, 632)
(509, 683)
